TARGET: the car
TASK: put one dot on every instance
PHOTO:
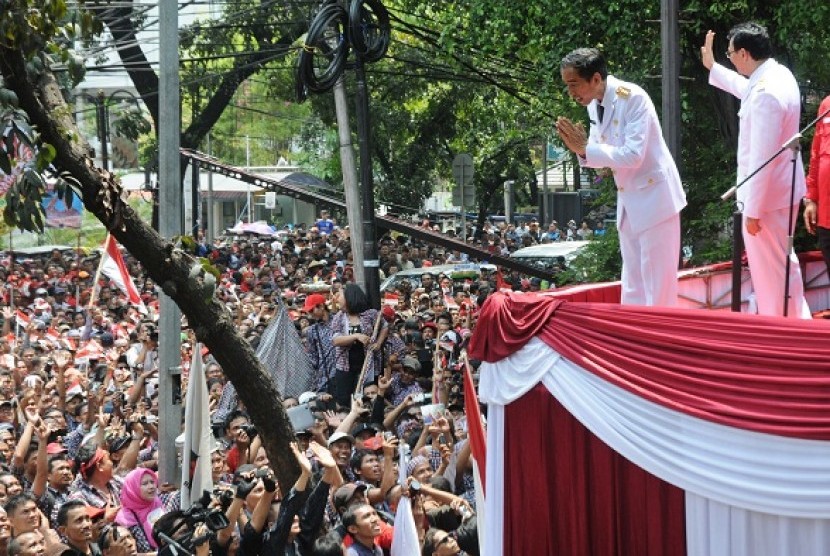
(549, 255)
(458, 272)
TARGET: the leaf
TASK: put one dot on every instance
(5, 164)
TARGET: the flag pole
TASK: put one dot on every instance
(369, 354)
(94, 293)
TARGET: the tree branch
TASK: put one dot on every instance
(167, 266)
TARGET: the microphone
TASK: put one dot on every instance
(729, 192)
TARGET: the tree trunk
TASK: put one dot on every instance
(167, 265)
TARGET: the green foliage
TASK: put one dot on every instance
(599, 261)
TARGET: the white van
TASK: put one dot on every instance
(547, 255)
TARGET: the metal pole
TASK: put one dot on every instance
(370, 248)
(461, 188)
(194, 199)
(170, 224)
(351, 189)
(101, 111)
(670, 51)
(737, 252)
(248, 167)
(211, 220)
(543, 206)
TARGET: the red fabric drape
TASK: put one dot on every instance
(765, 374)
(567, 493)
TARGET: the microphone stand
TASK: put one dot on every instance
(793, 143)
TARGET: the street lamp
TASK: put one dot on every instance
(102, 103)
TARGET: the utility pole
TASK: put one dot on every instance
(670, 51)
(370, 246)
(248, 167)
(351, 190)
(103, 125)
(170, 224)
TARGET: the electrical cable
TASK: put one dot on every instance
(370, 29)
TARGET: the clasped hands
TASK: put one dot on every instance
(573, 135)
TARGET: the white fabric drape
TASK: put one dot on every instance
(745, 472)
(715, 529)
(494, 501)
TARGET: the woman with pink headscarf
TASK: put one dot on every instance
(140, 507)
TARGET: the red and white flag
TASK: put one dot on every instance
(22, 319)
(112, 266)
(478, 445)
(90, 350)
(390, 299)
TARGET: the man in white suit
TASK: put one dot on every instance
(625, 137)
(769, 117)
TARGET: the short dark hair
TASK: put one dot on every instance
(235, 414)
(349, 517)
(586, 62)
(18, 500)
(752, 37)
(68, 506)
(56, 459)
(357, 458)
(356, 300)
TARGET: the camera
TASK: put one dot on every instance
(249, 429)
(201, 512)
(418, 398)
(224, 495)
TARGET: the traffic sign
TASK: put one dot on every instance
(464, 194)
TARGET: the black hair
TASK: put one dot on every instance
(235, 414)
(349, 517)
(18, 500)
(357, 458)
(356, 300)
(586, 62)
(169, 524)
(56, 459)
(66, 507)
(328, 545)
(752, 37)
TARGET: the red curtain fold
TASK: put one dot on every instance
(766, 374)
(567, 493)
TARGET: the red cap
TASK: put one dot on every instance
(373, 444)
(55, 448)
(95, 513)
(313, 301)
(388, 313)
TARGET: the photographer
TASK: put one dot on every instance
(256, 539)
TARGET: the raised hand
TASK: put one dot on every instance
(707, 54)
(322, 454)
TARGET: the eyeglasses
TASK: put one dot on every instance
(729, 53)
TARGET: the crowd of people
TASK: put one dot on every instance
(79, 403)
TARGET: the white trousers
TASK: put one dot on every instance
(650, 258)
(767, 254)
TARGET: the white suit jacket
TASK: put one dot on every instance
(769, 117)
(629, 141)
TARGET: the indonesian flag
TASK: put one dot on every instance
(22, 319)
(390, 299)
(478, 448)
(90, 350)
(112, 265)
(53, 335)
(659, 431)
